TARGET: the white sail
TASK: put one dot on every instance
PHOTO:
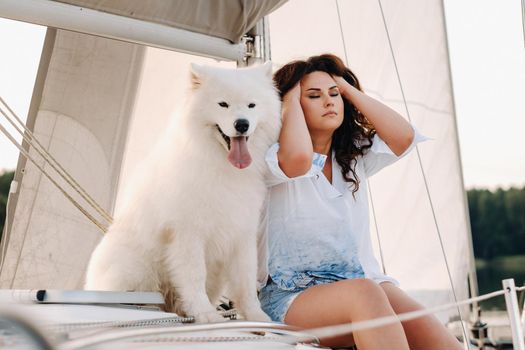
(83, 117)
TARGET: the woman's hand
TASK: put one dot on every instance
(391, 127)
(343, 86)
(293, 95)
(296, 150)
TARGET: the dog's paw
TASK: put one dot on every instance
(209, 317)
(257, 315)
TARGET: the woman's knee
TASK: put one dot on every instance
(365, 296)
(400, 301)
(361, 287)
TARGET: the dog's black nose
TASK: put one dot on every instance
(241, 125)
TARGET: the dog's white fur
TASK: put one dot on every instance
(190, 223)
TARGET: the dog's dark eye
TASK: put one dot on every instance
(251, 105)
(224, 104)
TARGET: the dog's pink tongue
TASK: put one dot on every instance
(239, 155)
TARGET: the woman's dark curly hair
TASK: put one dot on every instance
(355, 134)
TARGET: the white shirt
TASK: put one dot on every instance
(317, 229)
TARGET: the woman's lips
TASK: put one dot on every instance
(330, 114)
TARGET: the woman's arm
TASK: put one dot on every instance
(390, 126)
(295, 145)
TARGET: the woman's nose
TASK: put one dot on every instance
(328, 102)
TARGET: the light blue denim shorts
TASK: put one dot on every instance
(276, 301)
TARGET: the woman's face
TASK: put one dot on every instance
(321, 102)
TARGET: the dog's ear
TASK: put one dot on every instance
(197, 72)
(267, 69)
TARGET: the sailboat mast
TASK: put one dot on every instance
(257, 43)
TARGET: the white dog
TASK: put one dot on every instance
(190, 224)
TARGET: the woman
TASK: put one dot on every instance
(320, 265)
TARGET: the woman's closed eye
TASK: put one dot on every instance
(333, 94)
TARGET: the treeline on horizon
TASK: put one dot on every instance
(5, 183)
(497, 219)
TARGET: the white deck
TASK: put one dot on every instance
(70, 326)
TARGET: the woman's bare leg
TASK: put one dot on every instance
(423, 332)
(343, 302)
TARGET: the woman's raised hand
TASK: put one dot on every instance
(293, 95)
(342, 85)
(296, 150)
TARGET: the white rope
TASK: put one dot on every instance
(120, 334)
(73, 201)
(372, 207)
(422, 171)
(341, 30)
(151, 322)
(520, 289)
(332, 331)
(290, 335)
(523, 19)
(29, 137)
(383, 266)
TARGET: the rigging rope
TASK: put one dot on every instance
(523, 19)
(71, 199)
(290, 335)
(151, 322)
(332, 331)
(29, 138)
(248, 326)
(423, 173)
(383, 267)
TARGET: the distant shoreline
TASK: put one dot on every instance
(510, 263)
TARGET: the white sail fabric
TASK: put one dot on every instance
(408, 234)
(83, 118)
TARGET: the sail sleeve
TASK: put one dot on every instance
(222, 18)
(380, 155)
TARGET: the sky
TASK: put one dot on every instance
(487, 55)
